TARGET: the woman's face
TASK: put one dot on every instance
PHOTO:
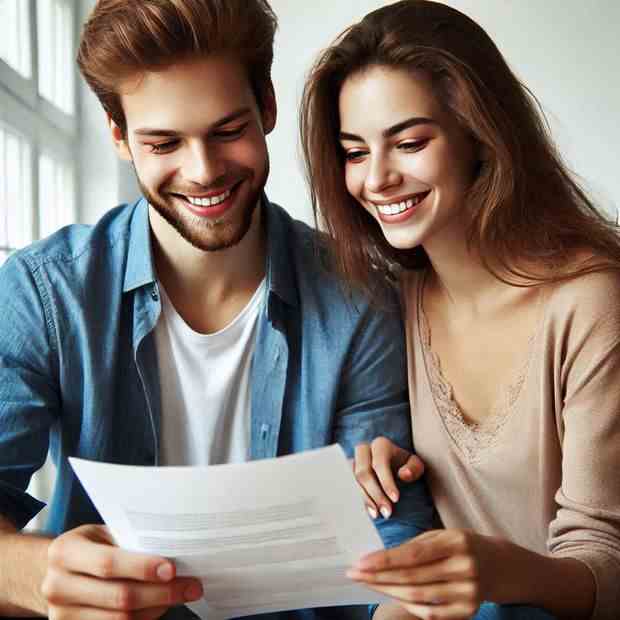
(407, 161)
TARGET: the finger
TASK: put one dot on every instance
(456, 611)
(426, 605)
(366, 478)
(88, 550)
(434, 593)
(453, 568)
(412, 470)
(386, 456)
(72, 589)
(92, 613)
(422, 549)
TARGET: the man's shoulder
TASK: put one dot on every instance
(310, 261)
(71, 242)
(75, 241)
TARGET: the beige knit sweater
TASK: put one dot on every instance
(544, 470)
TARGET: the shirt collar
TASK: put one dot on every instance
(140, 268)
(280, 270)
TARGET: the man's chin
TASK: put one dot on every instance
(207, 235)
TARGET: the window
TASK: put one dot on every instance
(38, 132)
(16, 221)
(38, 124)
(15, 35)
(56, 71)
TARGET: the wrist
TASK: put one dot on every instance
(23, 563)
(563, 586)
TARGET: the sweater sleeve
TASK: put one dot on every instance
(587, 523)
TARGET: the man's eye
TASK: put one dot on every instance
(232, 133)
(163, 147)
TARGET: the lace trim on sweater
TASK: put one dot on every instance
(472, 438)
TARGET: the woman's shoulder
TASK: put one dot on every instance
(587, 304)
(598, 289)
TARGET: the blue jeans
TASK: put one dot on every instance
(492, 611)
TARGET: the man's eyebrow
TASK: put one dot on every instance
(229, 118)
(393, 130)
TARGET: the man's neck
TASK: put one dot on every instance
(208, 289)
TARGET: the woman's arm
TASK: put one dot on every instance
(449, 573)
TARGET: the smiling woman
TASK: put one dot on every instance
(429, 160)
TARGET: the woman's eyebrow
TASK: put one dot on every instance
(393, 130)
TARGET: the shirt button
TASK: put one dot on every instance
(154, 294)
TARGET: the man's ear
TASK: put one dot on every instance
(119, 141)
(269, 109)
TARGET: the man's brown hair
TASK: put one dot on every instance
(125, 38)
(525, 207)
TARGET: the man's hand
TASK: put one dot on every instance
(88, 578)
(374, 466)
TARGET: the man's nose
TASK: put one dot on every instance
(203, 165)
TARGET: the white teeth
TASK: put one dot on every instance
(208, 202)
(399, 207)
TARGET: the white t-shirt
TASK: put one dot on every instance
(205, 387)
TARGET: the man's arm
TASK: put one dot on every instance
(23, 562)
(81, 570)
(373, 402)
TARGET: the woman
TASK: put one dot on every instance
(429, 161)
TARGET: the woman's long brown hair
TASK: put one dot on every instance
(531, 222)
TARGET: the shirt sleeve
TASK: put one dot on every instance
(587, 524)
(29, 398)
(373, 402)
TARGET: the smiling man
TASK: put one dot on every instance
(198, 325)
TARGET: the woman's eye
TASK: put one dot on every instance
(354, 156)
(163, 147)
(410, 146)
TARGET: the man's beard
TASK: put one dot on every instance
(206, 235)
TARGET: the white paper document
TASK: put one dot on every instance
(263, 536)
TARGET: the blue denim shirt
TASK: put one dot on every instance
(79, 376)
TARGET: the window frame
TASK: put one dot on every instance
(45, 126)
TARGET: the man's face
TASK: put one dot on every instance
(196, 137)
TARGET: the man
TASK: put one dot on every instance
(150, 337)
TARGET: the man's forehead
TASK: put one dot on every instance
(197, 93)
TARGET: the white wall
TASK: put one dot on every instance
(565, 50)
(568, 53)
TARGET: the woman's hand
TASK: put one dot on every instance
(374, 467)
(440, 574)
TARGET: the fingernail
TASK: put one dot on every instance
(407, 473)
(165, 571)
(193, 592)
(393, 496)
(386, 512)
(372, 512)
